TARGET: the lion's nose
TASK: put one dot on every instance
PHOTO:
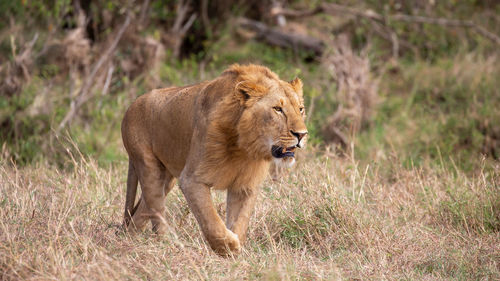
(299, 136)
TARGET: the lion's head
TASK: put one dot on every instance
(260, 118)
(271, 125)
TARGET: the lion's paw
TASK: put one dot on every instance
(228, 245)
(233, 241)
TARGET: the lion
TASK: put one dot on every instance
(220, 134)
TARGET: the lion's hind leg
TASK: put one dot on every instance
(155, 182)
(158, 220)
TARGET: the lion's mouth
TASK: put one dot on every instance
(281, 152)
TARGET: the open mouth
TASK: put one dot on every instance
(281, 152)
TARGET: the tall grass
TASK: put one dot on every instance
(331, 218)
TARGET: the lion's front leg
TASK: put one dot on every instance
(221, 239)
(240, 205)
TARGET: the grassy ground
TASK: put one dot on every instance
(328, 219)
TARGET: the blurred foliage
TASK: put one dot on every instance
(440, 97)
(439, 110)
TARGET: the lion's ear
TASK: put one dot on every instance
(246, 90)
(297, 85)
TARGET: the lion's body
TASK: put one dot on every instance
(208, 135)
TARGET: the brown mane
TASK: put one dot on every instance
(227, 163)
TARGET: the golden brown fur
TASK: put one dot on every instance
(218, 134)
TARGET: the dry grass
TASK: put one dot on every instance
(329, 219)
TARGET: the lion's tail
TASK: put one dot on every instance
(132, 181)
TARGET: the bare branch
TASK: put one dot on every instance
(204, 16)
(279, 38)
(390, 35)
(295, 14)
(279, 17)
(187, 25)
(370, 14)
(448, 22)
(179, 29)
(486, 33)
(85, 92)
(107, 82)
(438, 21)
(340, 9)
(181, 11)
(142, 16)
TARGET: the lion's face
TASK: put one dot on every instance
(272, 125)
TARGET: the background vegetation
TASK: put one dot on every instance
(401, 178)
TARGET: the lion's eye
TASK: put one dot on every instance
(301, 110)
(278, 109)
